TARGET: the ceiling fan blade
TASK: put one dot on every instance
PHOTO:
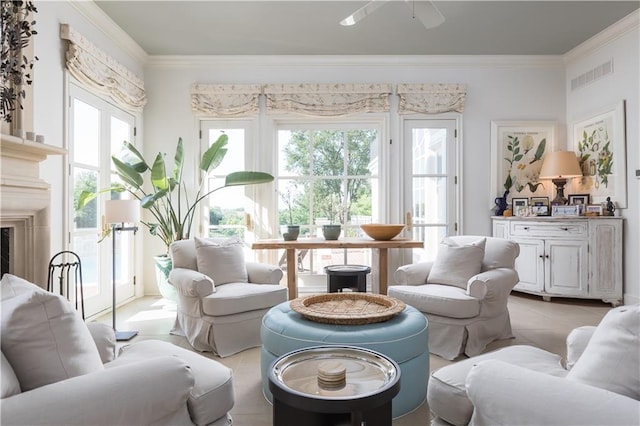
(362, 13)
(426, 12)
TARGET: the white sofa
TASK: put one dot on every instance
(222, 298)
(598, 384)
(57, 370)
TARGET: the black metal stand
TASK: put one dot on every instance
(70, 269)
(120, 335)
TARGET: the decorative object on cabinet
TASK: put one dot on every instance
(501, 203)
(569, 257)
(566, 211)
(560, 166)
(540, 206)
(593, 210)
(579, 199)
(610, 207)
(599, 143)
(517, 149)
(519, 206)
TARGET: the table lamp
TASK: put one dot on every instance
(117, 213)
(560, 166)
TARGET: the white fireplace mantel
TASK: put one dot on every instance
(25, 203)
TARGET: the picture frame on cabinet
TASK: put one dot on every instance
(599, 143)
(517, 148)
(575, 199)
(519, 206)
(540, 206)
(593, 210)
(566, 210)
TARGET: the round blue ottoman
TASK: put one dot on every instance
(404, 338)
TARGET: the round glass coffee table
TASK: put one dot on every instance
(333, 385)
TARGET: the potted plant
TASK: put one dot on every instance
(332, 231)
(289, 231)
(168, 200)
(15, 70)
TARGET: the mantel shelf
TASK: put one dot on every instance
(13, 146)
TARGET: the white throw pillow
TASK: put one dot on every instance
(12, 285)
(222, 260)
(455, 264)
(611, 359)
(45, 340)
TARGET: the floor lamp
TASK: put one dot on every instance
(117, 213)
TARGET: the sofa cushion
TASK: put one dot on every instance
(8, 380)
(445, 300)
(612, 356)
(455, 263)
(235, 298)
(212, 395)
(222, 261)
(12, 286)
(45, 340)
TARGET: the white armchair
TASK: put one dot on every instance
(57, 370)
(598, 384)
(222, 298)
(463, 293)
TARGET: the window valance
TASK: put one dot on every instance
(100, 73)
(327, 100)
(225, 100)
(431, 98)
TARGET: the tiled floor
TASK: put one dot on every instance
(534, 322)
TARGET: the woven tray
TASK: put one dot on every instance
(348, 308)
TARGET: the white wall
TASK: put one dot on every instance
(623, 47)
(499, 88)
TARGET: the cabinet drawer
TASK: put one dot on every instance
(554, 230)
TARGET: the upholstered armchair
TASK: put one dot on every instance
(463, 293)
(222, 298)
(597, 384)
(59, 370)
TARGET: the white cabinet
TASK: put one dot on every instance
(565, 257)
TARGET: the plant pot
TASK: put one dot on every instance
(331, 232)
(163, 267)
(290, 232)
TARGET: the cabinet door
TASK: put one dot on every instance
(605, 266)
(566, 267)
(530, 265)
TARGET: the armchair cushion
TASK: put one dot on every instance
(438, 299)
(222, 261)
(455, 264)
(235, 298)
(45, 340)
(9, 382)
(611, 358)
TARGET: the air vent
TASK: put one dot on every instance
(592, 75)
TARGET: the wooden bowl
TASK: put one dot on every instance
(382, 232)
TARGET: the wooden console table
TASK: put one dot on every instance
(343, 243)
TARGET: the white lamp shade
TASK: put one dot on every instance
(560, 165)
(121, 211)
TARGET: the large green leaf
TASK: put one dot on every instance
(128, 174)
(247, 178)
(178, 161)
(214, 155)
(159, 174)
(131, 156)
(149, 200)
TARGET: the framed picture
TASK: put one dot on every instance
(519, 206)
(599, 144)
(517, 148)
(566, 210)
(540, 206)
(579, 199)
(593, 209)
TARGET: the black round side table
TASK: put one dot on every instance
(346, 276)
(333, 385)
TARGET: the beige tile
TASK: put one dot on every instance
(534, 322)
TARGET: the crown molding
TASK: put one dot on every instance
(104, 23)
(629, 23)
(381, 61)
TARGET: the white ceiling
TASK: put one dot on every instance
(312, 27)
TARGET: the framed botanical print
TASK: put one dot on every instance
(516, 159)
(599, 143)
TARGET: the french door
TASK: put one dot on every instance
(430, 181)
(97, 131)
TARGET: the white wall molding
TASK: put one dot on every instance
(381, 61)
(603, 38)
(104, 23)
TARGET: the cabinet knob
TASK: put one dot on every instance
(526, 228)
(546, 255)
(565, 229)
(541, 257)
